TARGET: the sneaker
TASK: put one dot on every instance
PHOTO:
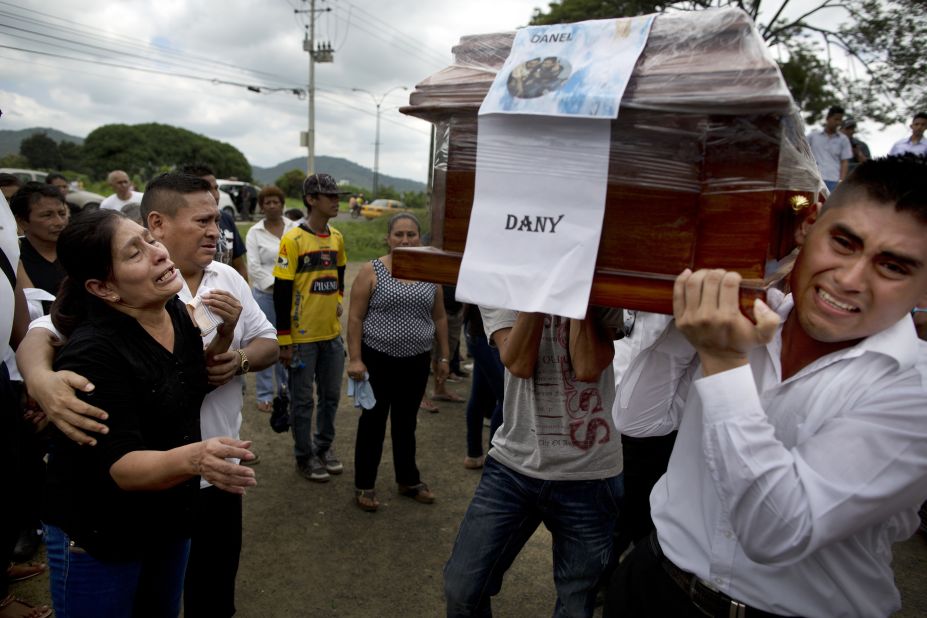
(330, 461)
(313, 470)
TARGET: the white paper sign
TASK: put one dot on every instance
(537, 215)
(578, 69)
(541, 180)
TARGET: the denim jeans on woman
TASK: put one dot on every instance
(265, 378)
(82, 586)
(505, 511)
(322, 363)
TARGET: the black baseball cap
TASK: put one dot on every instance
(323, 184)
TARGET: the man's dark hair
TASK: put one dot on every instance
(920, 115)
(9, 180)
(30, 193)
(165, 194)
(195, 169)
(899, 180)
(294, 214)
(54, 176)
(835, 109)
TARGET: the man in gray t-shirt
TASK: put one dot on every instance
(556, 459)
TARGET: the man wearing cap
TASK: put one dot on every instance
(859, 147)
(308, 294)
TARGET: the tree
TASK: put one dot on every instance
(41, 151)
(14, 160)
(71, 156)
(147, 149)
(387, 192)
(291, 183)
(415, 199)
(887, 38)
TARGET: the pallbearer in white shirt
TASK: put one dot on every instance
(802, 448)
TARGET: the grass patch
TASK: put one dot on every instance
(363, 239)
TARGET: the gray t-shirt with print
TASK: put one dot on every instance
(555, 427)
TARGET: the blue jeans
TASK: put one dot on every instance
(505, 511)
(321, 362)
(82, 586)
(486, 392)
(265, 378)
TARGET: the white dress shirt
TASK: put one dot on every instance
(788, 496)
(263, 248)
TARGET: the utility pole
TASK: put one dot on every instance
(324, 53)
(376, 143)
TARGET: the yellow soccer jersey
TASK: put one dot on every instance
(315, 264)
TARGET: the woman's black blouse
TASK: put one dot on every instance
(153, 399)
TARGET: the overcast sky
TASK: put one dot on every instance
(378, 45)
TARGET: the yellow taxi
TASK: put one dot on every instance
(378, 208)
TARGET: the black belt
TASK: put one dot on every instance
(707, 599)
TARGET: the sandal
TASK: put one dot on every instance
(11, 607)
(428, 405)
(366, 500)
(265, 406)
(473, 463)
(419, 493)
(451, 397)
(22, 572)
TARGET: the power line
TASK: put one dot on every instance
(331, 95)
(147, 70)
(379, 23)
(76, 28)
(372, 28)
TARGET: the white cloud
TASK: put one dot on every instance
(378, 46)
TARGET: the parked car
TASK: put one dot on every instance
(241, 196)
(78, 200)
(380, 207)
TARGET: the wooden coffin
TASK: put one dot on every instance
(708, 163)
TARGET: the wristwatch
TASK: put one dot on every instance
(244, 366)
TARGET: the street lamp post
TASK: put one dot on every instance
(376, 143)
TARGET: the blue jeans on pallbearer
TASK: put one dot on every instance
(505, 511)
(322, 363)
(82, 586)
(265, 378)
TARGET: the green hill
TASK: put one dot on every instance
(10, 140)
(341, 169)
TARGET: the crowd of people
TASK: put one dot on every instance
(753, 467)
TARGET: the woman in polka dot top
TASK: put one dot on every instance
(391, 327)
